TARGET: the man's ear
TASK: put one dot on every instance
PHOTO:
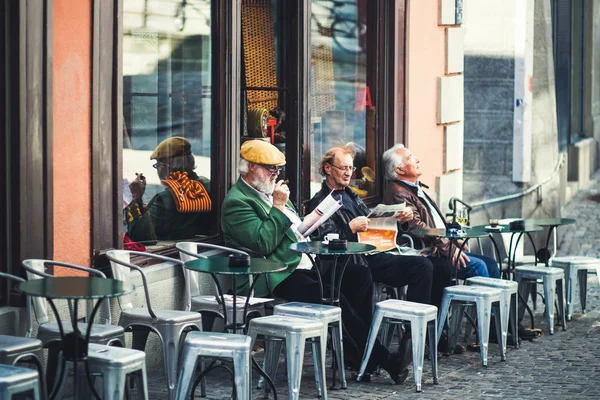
(399, 171)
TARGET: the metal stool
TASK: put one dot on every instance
(553, 279)
(422, 319)
(218, 345)
(14, 349)
(576, 270)
(330, 317)
(484, 298)
(508, 303)
(294, 331)
(18, 380)
(115, 364)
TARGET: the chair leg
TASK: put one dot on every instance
(582, 277)
(317, 365)
(458, 309)
(501, 322)
(171, 336)
(186, 374)
(243, 375)
(514, 319)
(433, 343)
(418, 333)
(375, 325)
(443, 316)
(52, 366)
(114, 385)
(338, 348)
(321, 352)
(295, 357)
(143, 385)
(561, 303)
(483, 327)
(571, 276)
(139, 337)
(549, 295)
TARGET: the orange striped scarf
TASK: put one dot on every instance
(189, 194)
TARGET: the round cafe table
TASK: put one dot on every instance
(316, 250)
(544, 254)
(74, 345)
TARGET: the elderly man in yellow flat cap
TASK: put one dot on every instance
(182, 210)
(258, 215)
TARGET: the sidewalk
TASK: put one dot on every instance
(565, 365)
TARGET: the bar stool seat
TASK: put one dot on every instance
(18, 380)
(294, 331)
(219, 345)
(553, 281)
(330, 316)
(576, 270)
(508, 302)
(422, 319)
(484, 299)
(14, 349)
(115, 364)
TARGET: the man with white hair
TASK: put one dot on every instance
(402, 170)
(258, 215)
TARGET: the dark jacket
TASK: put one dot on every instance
(338, 222)
(398, 192)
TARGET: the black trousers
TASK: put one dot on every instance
(425, 277)
(356, 302)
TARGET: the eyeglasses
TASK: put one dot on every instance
(345, 169)
(273, 169)
(158, 163)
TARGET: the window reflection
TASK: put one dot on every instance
(342, 110)
(167, 97)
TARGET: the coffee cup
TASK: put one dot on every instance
(331, 236)
(493, 223)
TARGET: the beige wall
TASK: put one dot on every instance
(424, 64)
(72, 127)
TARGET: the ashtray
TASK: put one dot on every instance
(239, 260)
(518, 225)
(338, 244)
(496, 228)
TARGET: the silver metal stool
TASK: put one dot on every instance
(422, 319)
(114, 364)
(576, 270)
(553, 279)
(294, 331)
(18, 380)
(14, 349)
(508, 303)
(484, 299)
(218, 345)
(331, 317)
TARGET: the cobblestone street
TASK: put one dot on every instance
(565, 365)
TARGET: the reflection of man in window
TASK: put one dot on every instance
(182, 210)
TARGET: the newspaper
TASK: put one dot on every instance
(324, 210)
(383, 227)
(239, 300)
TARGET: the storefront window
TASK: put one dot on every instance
(341, 107)
(167, 130)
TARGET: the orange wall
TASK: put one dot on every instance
(72, 130)
(425, 63)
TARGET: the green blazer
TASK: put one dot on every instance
(247, 221)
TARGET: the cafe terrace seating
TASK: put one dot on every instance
(169, 325)
(576, 271)
(17, 381)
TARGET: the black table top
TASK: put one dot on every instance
(320, 248)
(550, 221)
(220, 266)
(75, 287)
(444, 233)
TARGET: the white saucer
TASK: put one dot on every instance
(493, 228)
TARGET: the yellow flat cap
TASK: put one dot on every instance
(261, 152)
(172, 147)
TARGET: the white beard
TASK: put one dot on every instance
(266, 187)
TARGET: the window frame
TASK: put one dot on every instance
(27, 169)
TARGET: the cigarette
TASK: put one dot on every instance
(285, 182)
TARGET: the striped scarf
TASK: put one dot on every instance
(189, 194)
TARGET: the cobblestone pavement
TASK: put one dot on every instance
(564, 365)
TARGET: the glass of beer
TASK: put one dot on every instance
(463, 217)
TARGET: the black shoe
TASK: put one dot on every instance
(393, 366)
(443, 346)
(527, 334)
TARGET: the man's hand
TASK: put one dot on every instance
(281, 194)
(460, 262)
(359, 224)
(405, 215)
(138, 186)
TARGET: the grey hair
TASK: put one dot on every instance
(185, 162)
(243, 167)
(391, 159)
